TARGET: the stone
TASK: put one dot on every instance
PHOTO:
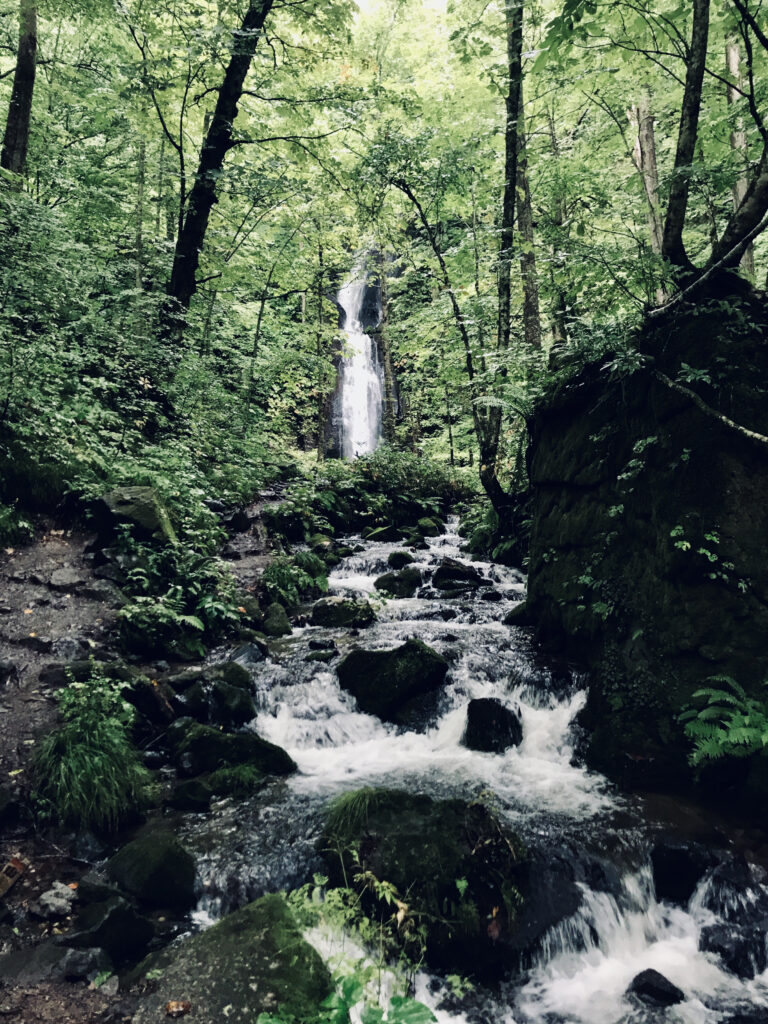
(678, 867)
(742, 949)
(430, 526)
(55, 902)
(399, 584)
(276, 622)
(519, 615)
(51, 961)
(156, 870)
(331, 612)
(191, 795)
(67, 578)
(491, 726)
(382, 534)
(252, 962)
(247, 656)
(114, 926)
(201, 748)
(386, 683)
(493, 596)
(454, 576)
(399, 559)
(140, 506)
(8, 671)
(654, 989)
(324, 657)
(219, 703)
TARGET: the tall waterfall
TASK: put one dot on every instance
(360, 378)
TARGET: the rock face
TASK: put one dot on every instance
(399, 584)
(341, 611)
(649, 520)
(252, 962)
(156, 870)
(139, 506)
(491, 727)
(654, 989)
(389, 683)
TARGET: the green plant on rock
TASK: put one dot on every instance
(729, 724)
(287, 579)
(87, 774)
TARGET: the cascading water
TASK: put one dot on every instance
(568, 816)
(360, 377)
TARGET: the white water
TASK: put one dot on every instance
(584, 964)
(360, 377)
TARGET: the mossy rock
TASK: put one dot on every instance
(382, 534)
(404, 583)
(114, 926)
(320, 544)
(219, 703)
(332, 612)
(141, 507)
(192, 795)
(454, 576)
(430, 526)
(276, 622)
(389, 683)
(156, 870)
(239, 781)
(252, 962)
(399, 559)
(201, 748)
(451, 861)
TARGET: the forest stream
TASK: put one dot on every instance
(566, 814)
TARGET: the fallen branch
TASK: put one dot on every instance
(699, 402)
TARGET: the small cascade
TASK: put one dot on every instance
(361, 379)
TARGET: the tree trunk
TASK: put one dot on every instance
(390, 401)
(319, 347)
(672, 242)
(450, 426)
(14, 152)
(739, 146)
(644, 158)
(528, 273)
(218, 142)
(140, 186)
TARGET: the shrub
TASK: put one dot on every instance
(87, 774)
(287, 579)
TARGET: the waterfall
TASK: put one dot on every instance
(360, 377)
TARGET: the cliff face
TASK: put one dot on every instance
(650, 528)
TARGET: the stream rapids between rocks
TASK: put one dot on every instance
(581, 967)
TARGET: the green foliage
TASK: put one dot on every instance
(287, 579)
(348, 813)
(238, 781)
(86, 773)
(15, 528)
(729, 724)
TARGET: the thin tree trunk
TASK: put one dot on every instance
(13, 156)
(450, 425)
(319, 348)
(739, 146)
(558, 311)
(218, 142)
(528, 272)
(140, 185)
(672, 242)
(644, 158)
(386, 352)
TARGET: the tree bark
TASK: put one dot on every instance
(672, 242)
(528, 272)
(739, 145)
(218, 142)
(13, 156)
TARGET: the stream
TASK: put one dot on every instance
(580, 970)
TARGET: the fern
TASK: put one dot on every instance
(729, 724)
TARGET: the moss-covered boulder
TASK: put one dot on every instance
(390, 684)
(382, 534)
(276, 622)
(342, 611)
(452, 863)
(430, 526)
(404, 583)
(139, 506)
(252, 962)
(453, 576)
(201, 748)
(156, 870)
(399, 559)
(191, 795)
(219, 703)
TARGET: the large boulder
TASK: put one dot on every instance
(139, 506)
(491, 726)
(404, 583)
(654, 989)
(399, 559)
(742, 949)
(451, 862)
(454, 576)
(114, 926)
(332, 612)
(389, 684)
(156, 870)
(252, 962)
(201, 748)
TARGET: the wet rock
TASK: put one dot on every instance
(69, 648)
(430, 526)
(324, 657)
(322, 643)
(742, 950)
(492, 596)
(200, 748)
(219, 703)
(320, 544)
(491, 726)
(93, 887)
(654, 989)
(155, 701)
(455, 577)
(387, 683)
(519, 615)
(156, 870)
(238, 521)
(332, 612)
(252, 962)
(678, 867)
(736, 893)
(399, 584)
(67, 578)
(139, 506)
(8, 671)
(382, 534)
(52, 962)
(54, 903)
(399, 559)
(749, 1016)
(424, 847)
(192, 795)
(276, 622)
(247, 656)
(112, 925)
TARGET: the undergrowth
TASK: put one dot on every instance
(729, 724)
